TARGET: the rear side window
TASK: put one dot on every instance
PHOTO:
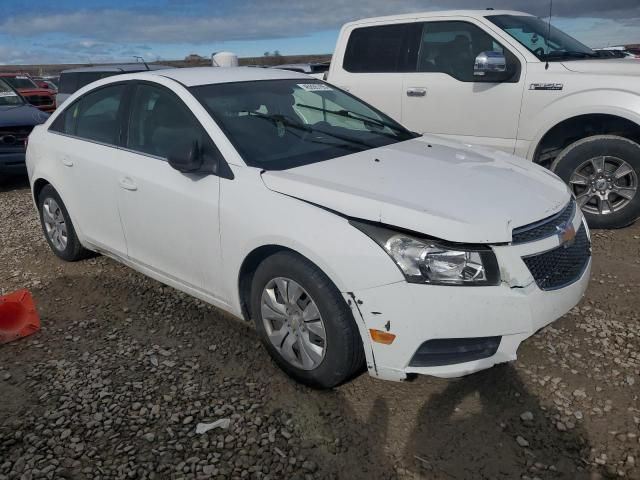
(97, 117)
(65, 122)
(382, 49)
(161, 124)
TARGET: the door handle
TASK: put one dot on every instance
(416, 92)
(128, 184)
(66, 161)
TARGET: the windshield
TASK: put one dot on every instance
(8, 96)
(280, 124)
(533, 33)
(20, 81)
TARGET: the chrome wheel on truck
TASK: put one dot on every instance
(602, 171)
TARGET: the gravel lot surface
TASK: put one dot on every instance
(124, 369)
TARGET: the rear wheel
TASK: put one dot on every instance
(57, 227)
(603, 172)
(304, 322)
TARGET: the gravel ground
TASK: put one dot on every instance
(124, 369)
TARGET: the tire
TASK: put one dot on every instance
(343, 354)
(51, 207)
(575, 165)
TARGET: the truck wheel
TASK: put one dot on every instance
(304, 322)
(602, 172)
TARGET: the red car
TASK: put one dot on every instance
(43, 98)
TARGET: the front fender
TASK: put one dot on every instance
(617, 102)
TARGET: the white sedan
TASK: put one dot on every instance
(348, 240)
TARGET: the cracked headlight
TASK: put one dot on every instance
(424, 260)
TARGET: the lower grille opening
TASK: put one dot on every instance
(449, 351)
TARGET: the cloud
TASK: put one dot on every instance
(112, 33)
(206, 22)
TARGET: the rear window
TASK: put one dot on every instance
(73, 81)
(382, 49)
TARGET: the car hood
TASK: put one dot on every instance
(21, 116)
(429, 185)
(613, 66)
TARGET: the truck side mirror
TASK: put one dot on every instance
(490, 67)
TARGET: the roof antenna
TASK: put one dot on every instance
(141, 59)
(546, 67)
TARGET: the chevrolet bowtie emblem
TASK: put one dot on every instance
(566, 234)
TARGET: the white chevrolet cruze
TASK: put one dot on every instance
(349, 240)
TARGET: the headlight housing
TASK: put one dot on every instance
(424, 260)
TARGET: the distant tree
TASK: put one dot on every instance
(277, 53)
(267, 54)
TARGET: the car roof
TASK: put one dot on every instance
(438, 13)
(125, 67)
(195, 76)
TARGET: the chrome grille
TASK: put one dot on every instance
(544, 228)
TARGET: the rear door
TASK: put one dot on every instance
(84, 141)
(374, 63)
(170, 218)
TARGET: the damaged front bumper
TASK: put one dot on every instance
(449, 331)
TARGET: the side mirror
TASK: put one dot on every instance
(186, 157)
(490, 67)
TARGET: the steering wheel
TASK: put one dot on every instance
(539, 51)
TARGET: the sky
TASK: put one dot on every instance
(93, 31)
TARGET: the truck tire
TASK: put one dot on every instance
(304, 322)
(603, 171)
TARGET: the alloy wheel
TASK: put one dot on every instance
(603, 185)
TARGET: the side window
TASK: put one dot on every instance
(160, 123)
(451, 48)
(97, 118)
(65, 122)
(382, 49)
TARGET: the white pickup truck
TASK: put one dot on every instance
(504, 80)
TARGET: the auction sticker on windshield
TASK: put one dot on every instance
(315, 87)
(8, 94)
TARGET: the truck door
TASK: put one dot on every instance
(373, 64)
(442, 95)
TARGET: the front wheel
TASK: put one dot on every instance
(304, 322)
(603, 171)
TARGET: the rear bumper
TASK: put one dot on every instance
(13, 163)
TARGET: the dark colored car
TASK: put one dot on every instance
(73, 80)
(17, 119)
(42, 98)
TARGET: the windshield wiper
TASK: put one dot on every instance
(275, 118)
(356, 116)
(560, 54)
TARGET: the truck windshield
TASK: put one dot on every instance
(281, 124)
(534, 34)
(20, 81)
(8, 96)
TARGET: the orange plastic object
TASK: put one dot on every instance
(18, 316)
(379, 336)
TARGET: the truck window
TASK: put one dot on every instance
(381, 49)
(451, 48)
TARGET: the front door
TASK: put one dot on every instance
(170, 218)
(442, 96)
